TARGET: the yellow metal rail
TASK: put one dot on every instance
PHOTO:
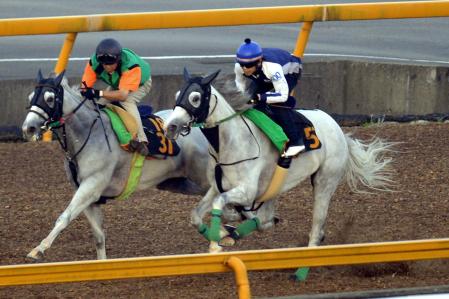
(241, 276)
(290, 258)
(224, 17)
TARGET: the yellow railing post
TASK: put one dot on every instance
(65, 52)
(61, 65)
(302, 39)
(241, 276)
(301, 42)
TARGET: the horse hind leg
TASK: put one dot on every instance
(94, 215)
(324, 188)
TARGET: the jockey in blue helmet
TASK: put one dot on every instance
(268, 76)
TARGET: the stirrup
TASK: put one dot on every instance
(139, 146)
(293, 151)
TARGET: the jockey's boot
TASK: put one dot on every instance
(286, 119)
(139, 146)
(294, 149)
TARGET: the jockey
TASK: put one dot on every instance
(129, 80)
(269, 76)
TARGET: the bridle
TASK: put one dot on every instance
(200, 113)
(53, 113)
(55, 118)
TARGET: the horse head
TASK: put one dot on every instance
(192, 104)
(45, 106)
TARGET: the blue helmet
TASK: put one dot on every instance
(248, 52)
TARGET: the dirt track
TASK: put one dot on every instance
(34, 191)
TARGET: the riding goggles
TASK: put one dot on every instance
(248, 64)
(107, 59)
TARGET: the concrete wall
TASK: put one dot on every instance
(342, 87)
(348, 87)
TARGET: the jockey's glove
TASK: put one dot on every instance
(90, 93)
(254, 99)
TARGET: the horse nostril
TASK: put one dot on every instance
(171, 130)
(31, 130)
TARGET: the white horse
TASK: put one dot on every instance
(243, 162)
(95, 160)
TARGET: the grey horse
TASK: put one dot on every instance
(96, 165)
(243, 162)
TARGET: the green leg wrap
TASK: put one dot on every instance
(247, 227)
(215, 223)
(204, 230)
(301, 274)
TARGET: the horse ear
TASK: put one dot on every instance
(206, 80)
(186, 75)
(58, 79)
(39, 76)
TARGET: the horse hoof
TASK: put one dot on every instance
(215, 248)
(300, 274)
(35, 255)
(229, 228)
(227, 242)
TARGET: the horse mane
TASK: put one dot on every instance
(229, 91)
(73, 90)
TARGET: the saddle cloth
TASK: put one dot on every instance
(277, 136)
(311, 140)
(125, 128)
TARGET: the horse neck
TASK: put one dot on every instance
(219, 109)
(77, 124)
(233, 130)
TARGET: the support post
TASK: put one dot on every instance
(241, 276)
(302, 39)
(65, 52)
(61, 65)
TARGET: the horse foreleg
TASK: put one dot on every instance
(84, 196)
(261, 220)
(198, 213)
(94, 215)
(235, 196)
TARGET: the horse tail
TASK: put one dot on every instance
(368, 166)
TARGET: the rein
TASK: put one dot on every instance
(243, 160)
(60, 123)
(202, 125)
(64, 143)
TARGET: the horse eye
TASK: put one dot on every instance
(49, 98)
(195, 99)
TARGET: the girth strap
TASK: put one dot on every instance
(219, 177)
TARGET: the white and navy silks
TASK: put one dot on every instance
(274, 81)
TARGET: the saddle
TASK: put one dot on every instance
(277, 136)
(125, 128)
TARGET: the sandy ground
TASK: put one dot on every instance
(34, 191)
